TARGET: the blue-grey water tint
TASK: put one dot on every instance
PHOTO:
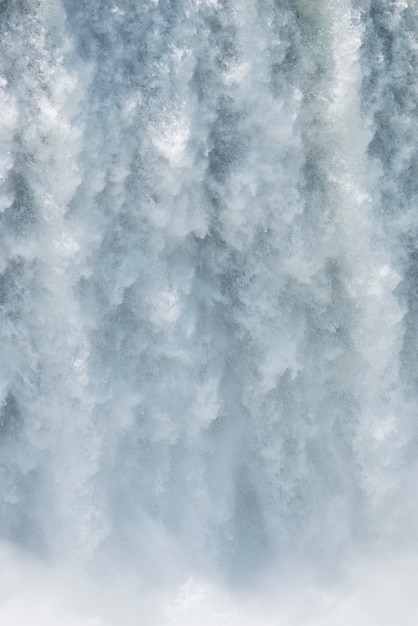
(208, 288)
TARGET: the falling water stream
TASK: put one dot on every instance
(208, 312)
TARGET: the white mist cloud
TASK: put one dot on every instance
(379, 593)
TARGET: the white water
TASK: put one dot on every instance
(209, 312)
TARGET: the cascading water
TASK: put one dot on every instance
(209, 312)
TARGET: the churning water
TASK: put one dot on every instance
(209, 312)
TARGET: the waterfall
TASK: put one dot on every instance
(209, 312)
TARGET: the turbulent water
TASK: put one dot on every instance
(209, 312)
